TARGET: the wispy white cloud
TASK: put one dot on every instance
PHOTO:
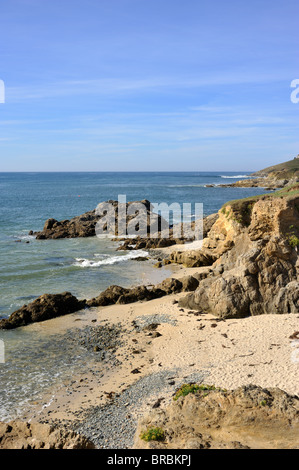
(112, 86)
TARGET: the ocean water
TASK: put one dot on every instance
(84, 266)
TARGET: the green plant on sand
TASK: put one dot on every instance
(185, 389)
(153, 434)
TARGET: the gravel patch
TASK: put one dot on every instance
(113, 426)
(145, 320)
(101, 340)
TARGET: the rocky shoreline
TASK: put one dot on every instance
(248, 266)
(164, 348)
(271, 178)
(251, 254)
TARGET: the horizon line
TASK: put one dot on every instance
(128, 171)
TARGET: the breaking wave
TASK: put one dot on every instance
(236, 176)
(87, 263)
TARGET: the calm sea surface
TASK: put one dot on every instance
(84, 267)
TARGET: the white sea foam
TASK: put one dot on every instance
(25, 237)
(236, 176)
(87, 263)
(185, 185)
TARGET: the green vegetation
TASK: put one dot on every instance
(294, 241)
(240, 209)
(292, 237)
(286, 170)
(263, 403)
(185, 389)
(153, 434)
(287, 191)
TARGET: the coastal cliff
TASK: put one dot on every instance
(254, 246)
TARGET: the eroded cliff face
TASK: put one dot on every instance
(23, 435)
(248, 417)
(254, 247)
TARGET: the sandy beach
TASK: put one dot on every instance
(158, 338)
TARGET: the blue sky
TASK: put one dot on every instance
(139, 85)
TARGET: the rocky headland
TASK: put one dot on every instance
(273, 177)
(250, 253)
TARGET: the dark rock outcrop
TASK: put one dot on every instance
(85, 225)
(116, 294)
(167, 237)
(43, 308)
(120, 295)
(140, 243)
(49, 306)
(170, 285)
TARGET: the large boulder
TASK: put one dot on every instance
(121, 295)
(192, 258)
(43, 308)
(189, 283)
(170, 285)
